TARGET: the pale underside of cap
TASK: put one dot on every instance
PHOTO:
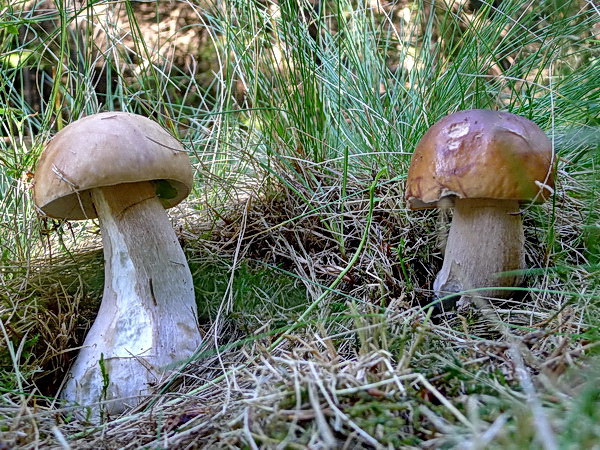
(481, 154)
(109, 149)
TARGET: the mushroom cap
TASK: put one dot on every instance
(481, 154)
(108, 149)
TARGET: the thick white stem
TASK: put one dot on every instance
(147, 322)
(485, 239)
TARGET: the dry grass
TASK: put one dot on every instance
(369, 366)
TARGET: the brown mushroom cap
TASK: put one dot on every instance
(480, 154)
(108, 149)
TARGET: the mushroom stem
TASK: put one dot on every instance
(147, 320)
(485, 239)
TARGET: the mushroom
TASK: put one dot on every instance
(484, 164)
(125, 170)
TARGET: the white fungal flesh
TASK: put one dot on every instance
(146, 324)
(485, 239)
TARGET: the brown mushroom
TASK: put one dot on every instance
(125, 169)
(484, 164)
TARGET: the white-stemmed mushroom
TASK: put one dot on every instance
(125, 169)
(484, 164)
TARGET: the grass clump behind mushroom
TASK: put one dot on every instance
(301, 147)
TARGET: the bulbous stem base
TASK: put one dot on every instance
(147, 322)
(485, 239)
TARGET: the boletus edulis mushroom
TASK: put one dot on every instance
(485, 164)
(125, 170)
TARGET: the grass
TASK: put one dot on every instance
(313, 280)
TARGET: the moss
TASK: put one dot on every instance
(257, 293)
